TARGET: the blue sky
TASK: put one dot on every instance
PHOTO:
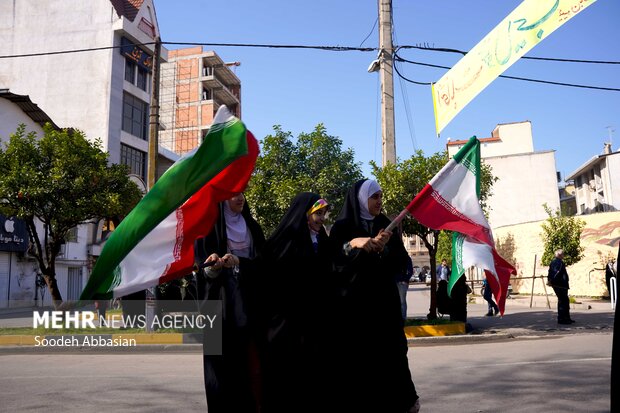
(298, 89)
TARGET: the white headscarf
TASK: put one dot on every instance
(367, 189)
(239, 238)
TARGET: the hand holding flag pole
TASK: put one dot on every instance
(397, 220)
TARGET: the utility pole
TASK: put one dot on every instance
(154, 119)
(387, 82)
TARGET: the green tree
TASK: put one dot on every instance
(313, 162)
(61, 180)
(506, 248)
(562, 232)
(401, 182)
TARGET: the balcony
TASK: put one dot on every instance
(217, 77)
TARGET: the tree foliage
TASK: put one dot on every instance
(562, 232)
(313, 162)
(62, 180)
(507, 248)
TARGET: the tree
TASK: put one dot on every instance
(401, 182)
(58, 182)
(506, 248)
(315, 162)
(562, 232)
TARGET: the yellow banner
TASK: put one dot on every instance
(524, 28)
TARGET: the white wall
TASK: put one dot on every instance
(525, 183)
(613, 180)
(73, 89)
(11, 116)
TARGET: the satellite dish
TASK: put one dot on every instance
(138, 181)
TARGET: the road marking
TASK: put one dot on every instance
(525, 363)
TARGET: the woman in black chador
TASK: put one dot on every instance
(232, 379)
(298, 271)
(373, 373)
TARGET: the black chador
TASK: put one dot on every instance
(298, 272)
(373, 367)
(232, 380)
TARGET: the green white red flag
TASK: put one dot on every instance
(155, 242)
(450, 201)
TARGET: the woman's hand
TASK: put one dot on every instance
(362, 243)
(230, 260)
(215, 258)
(381, 239)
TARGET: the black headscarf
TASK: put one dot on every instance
(292, 236)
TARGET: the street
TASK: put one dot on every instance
(556, 373)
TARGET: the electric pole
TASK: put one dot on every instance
(387, 82)
(154, 120)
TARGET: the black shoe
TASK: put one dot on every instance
(495, 310)
(564, 322)
(489, 314)
(572, 321)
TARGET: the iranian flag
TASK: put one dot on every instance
(450, 201)
(468, 252)
(155, 242)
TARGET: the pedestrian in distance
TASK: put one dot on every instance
(488, 296)
(298, 276)
(373, 371)
(443, 300)
(232, 379)
(402, 282)
(557, 278)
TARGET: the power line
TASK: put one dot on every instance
(280, 46)
(371, 30)
(549, 82)
(330, 48)
(91, 49)
(284, 46)
(552, 59)
(271, 46)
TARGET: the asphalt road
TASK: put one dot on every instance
(549, 374)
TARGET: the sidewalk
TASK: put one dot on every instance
(519, 320)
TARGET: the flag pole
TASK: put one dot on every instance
(397, 220)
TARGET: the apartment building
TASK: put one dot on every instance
(194, 84)
(104, 90)
(596, 182)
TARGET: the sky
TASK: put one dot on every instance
(300, 88)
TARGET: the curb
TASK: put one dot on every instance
(434, 330)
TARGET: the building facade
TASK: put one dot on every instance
(527, 178)
(597, 183)
(105, 93)
(193, 86)
(104, 90)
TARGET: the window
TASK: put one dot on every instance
(130, 71)
(142, 79)
(206, 94)
(74, 283)
(135, 159)
(135, 116)
(72, 235)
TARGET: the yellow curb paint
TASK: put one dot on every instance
(17, 340)
(438, 330)
(152, 338)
